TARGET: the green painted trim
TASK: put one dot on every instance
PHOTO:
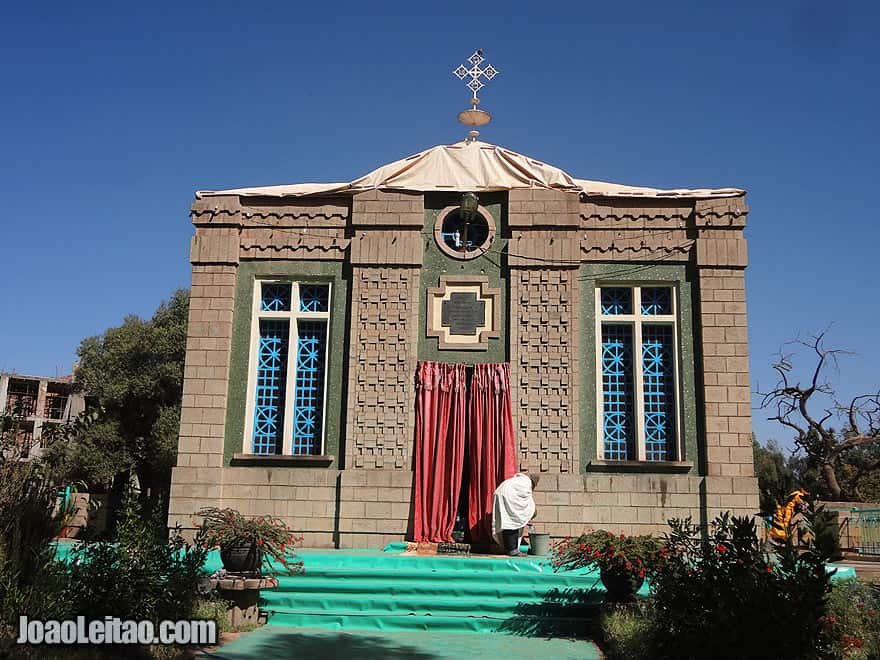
(236, 401)
(437, 263)
(678, 275)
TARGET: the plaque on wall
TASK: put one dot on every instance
(463, 312)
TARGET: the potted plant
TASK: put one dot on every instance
(247, 544)
(623, 560)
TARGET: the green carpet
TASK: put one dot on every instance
(307, 643)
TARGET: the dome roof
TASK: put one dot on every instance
(470, 166)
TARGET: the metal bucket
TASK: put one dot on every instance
(539, 544)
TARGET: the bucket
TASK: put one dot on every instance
(539, 544)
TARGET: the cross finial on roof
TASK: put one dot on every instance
(475, 117)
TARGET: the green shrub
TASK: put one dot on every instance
(142, 575)
(723, 596)
(213, 609)
(31, 583)
(853, 621)
(628, 632)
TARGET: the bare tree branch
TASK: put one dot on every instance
(794, 406)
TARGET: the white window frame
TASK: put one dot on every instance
(294, 316)
(636, 320)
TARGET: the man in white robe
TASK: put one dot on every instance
(513, 506)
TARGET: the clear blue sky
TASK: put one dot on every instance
(113, 114)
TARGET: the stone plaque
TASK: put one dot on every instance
(463, 313)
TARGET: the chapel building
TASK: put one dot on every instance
(368, 360)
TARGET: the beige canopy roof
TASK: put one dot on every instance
(469, 166)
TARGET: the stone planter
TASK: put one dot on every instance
(242, 558)
(620, 586)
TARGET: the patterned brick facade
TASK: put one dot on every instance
(544, 357)
(382, 360)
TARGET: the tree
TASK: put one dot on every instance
(811, 410)
(776, 477)
(134, 373)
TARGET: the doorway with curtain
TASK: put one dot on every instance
(464, 448)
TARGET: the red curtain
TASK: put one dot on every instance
(440, 428)
(491, 451)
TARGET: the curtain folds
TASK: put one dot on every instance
(440, 431)
(448, 424)
(490, 444)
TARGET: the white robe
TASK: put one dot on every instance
(512, 505)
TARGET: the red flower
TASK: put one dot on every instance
(769, 570)
(641, 572)
(721, 547)
(259, 541)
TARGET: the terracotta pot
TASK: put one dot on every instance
(243, 557)
(620, 586)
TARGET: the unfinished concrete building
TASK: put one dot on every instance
(41, 402)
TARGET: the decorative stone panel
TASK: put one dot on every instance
(389, 209)
(387, 246)
(383, 350)
(229, 229)
(540, 207)
(544, 248)
(623, 230)
(543, 364)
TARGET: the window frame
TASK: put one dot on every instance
(294, 315)
(637, 319)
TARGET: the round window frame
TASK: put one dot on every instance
(478, 250)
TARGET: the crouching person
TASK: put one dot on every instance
(513, 506)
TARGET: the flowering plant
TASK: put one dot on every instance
(612, 553)
(274, 540)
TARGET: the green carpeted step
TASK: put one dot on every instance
(414, 574)
(485, 624)
(462, 586)
(381, 603)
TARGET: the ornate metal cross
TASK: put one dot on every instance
(475, 72)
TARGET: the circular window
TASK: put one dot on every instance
(463, 238)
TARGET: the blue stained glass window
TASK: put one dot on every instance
(309, 397)
(271, 377)
(658, 376)
(314, 297)
(275, 297)
(656, 300)
(617, 392)
(617, 300)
